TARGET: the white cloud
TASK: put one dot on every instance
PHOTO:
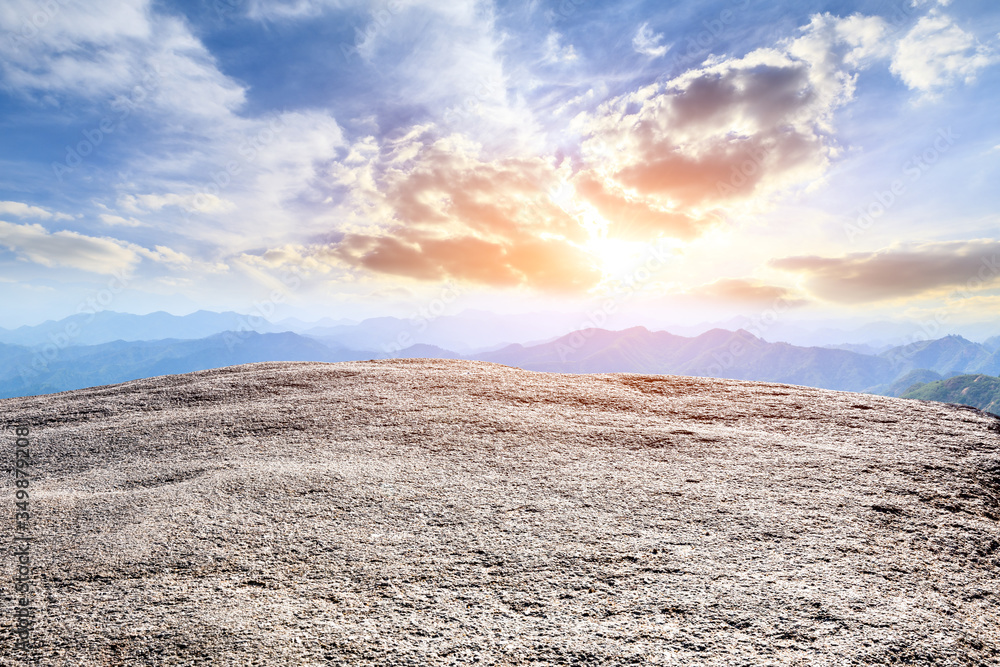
(273, 10)
(432, 208)
(120, 51)
(454, 68)
(199, 202)
(117, 220)
(555, 52)
(66, 248)
(936, 54)
(27, 211)
(96, 254)
(257, 180)
(648, 43)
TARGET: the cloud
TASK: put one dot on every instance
(119, 51)
(26, 211)
(453, 67)
(432, 208)
(66, 248)
(198, 202)
(936, 54)
(897, 273)
(635, 218)
(285, 9)
(675, 158)
(741, 290)
(555, 52)
(117, 220)
(648, 44)
(95, 254)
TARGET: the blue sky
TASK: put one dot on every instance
(348, 159)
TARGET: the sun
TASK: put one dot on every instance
(614, 257)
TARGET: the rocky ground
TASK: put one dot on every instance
(414, 512)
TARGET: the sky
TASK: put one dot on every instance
(667, 161)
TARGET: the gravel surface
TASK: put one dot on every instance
(416, 512)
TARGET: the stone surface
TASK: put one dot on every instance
(414, 512)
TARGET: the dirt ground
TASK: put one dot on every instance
(431, 512)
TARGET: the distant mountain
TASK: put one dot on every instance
(25, 372)
(948, 355)
(979, 391)
(992, 344)
(421, 351)
(860, 348)
(464, 333)
(909, 381)
(107, 326)
(298, 326)
(717, 353)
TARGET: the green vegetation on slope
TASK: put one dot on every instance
(980, 391)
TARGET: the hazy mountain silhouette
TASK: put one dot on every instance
(718, 353)
(29, 372)
(464, 333)
(106, 326)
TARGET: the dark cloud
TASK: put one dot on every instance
(689, 149)
(899, 272)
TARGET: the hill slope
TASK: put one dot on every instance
(436, 512)
(979, 391)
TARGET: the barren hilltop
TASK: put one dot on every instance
(415, 512)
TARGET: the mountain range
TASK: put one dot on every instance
(26, 371)
(718, 353)
(468, 332)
